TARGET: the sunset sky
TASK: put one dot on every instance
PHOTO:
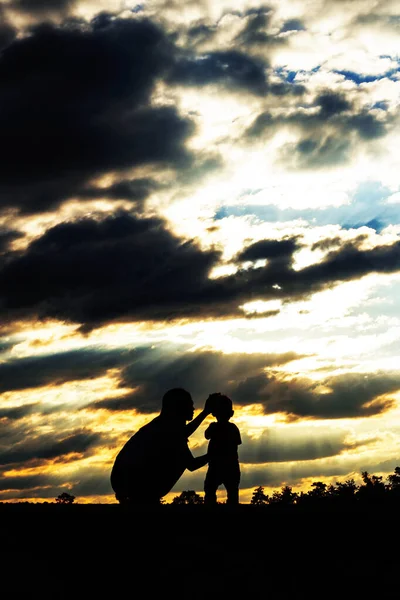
(198, 194)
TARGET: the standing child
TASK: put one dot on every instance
(223, 458)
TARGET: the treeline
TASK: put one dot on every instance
(374, 489)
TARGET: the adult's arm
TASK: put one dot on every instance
(196, 462)
(208, 431)
(208, 408)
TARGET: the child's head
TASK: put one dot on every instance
(223, 409)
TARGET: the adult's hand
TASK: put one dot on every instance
(210, 402)
(208, 408)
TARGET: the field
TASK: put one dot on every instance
(106, 551)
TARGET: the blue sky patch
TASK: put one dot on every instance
(367, 209)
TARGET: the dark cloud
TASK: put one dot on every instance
(285, 445)
(270, 249)
(328, 243)
(89, 482)
(55, 369)
(5, 344)
(125, 268)
(93, 271)
(15, 413)
(350, 262)
(41, 6)
(255, 31)
(76, 103)
(314, 152)
(331, 103)
(351, 395)
(6, 237)
(234, 70)
(7, 32)
(48, 447)
(328, 130)
(25, 486)
(367, 125)
(200, 33)
(346, 263)
(150, 372)
(293, 25)
(135, 190)
(284, 88)
(261, 124)
(153, 372)
(231, 68)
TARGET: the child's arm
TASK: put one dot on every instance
(238, 436)
(208, 431)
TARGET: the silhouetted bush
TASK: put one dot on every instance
(65, 498)
(188, 497)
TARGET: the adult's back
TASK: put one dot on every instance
(150, 463)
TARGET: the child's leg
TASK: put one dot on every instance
(231, 483)
(232, 494)
(210, 488)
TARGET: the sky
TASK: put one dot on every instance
(202, 195)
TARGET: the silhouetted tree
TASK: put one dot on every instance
(286, 497)
(394, 480)
(319, 489)
(374, 488)
(188, 497)
(65, 498)
(343, 492)
(316, 496)
(259, 497)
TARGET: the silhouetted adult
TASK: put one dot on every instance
(156, 456)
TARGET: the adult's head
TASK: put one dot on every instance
(177, 403)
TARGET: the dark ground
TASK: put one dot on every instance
(191, 552)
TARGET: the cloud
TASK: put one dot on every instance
(270, 249)
(293, 25)
(41, 6)
(148, 372)
(55, 369)
(7, 31)
(314, 152)
(255, 31)
(277, 475)
(135, 190)
(350, 395)
(287, 445)
(367, 206)
(201, 373)
(233, 69)
(120, 267)
(126, 268)
(58, 132)
(90, 481)
(330, 129)
(16, 413)
(6, 237)
(37, 449)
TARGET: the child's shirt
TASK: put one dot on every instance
(224, 441)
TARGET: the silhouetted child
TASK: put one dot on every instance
(223, 458)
